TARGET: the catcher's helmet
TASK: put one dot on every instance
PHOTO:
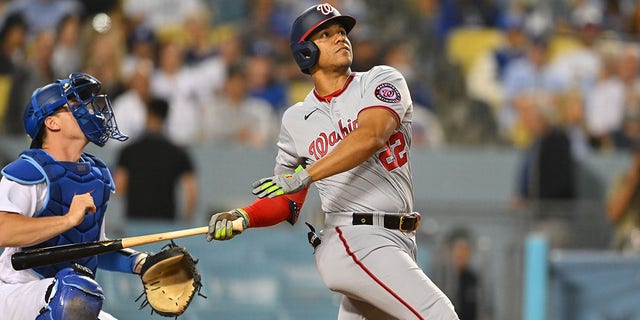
(80, 93)
(306, 52)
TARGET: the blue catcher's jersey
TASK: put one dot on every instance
(64, 180)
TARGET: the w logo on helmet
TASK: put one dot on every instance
(325, 8)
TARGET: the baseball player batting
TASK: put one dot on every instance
(351, 137)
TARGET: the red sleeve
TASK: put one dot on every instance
(270, 211)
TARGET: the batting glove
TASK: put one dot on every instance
(221, 224)
(282, 184)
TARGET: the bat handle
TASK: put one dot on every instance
(238, 225)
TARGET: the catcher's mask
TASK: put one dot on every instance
(306, 52)
(79, 92)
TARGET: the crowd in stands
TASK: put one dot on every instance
(480, 72)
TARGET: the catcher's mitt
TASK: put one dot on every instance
(171, 279)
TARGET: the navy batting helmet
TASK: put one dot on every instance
(306, 52)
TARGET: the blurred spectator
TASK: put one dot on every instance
(530, 75)
(199, 44)
(580, 67)
(150, 169)
(45, 15)
(547, 169)
(604, 108)
(176, 83)
(103, 58)
(39, 67)
(13, 35)
(467, 13)
(633, 19)
(212, 71)
(547, 16)
(267, 31)
(227, 12)
(546, 180)
(627, 71)
(67, 55)
(625, 139)
(485, 78)
(571, 117)
(462, 281)
(234, 117)
(613, 16)
(400, 55)
(426, 129)
(366, 49)
(262, 82)
(132, 104)
(13, 74)
(268, 20)
(159, 14)
(142, 45)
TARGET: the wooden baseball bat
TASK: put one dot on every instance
(64, 253)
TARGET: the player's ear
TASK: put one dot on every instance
(52, 123)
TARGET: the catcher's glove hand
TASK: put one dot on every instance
(170, 279)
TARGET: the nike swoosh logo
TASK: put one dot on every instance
(306, 116)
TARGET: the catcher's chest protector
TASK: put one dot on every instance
(64, 180)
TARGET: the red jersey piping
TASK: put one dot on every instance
(336, 93)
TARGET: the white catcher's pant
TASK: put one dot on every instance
(23, 301)
(375, 269)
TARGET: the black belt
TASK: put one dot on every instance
(402, 222)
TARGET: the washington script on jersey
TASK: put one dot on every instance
(320, 146)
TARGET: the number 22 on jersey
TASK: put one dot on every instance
(394, 155)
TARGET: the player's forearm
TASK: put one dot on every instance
(375, 126)
(270, 211)
(355, 148)
(121, 180)
(123, 260)
(17, 230)
(191, 195)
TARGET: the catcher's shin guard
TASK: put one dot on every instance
(73, 295)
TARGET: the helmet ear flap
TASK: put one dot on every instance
(306, 55)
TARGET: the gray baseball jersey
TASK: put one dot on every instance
(373, 267)
(312, 128)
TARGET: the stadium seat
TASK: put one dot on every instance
(465, 45)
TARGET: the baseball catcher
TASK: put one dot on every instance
(170, 279)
